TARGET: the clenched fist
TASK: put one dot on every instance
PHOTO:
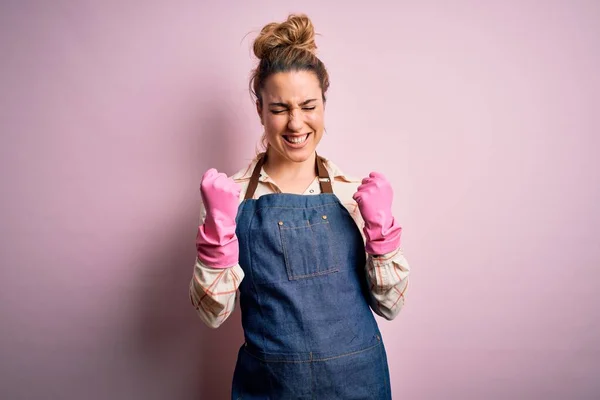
(374, 198)
(216, 242)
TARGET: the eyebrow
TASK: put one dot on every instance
(286, 105)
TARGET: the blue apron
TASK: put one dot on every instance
(309, 331)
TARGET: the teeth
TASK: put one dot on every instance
(297, 139)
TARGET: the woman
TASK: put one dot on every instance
(286, 232)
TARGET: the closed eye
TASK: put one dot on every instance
(281, 111)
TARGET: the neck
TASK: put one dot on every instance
(280, 168)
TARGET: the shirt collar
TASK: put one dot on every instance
(334, 172)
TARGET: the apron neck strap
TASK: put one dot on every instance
(324, 179)
(323, 175)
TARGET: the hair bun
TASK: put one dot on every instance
(297, 31)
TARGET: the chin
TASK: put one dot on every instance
(300, 156)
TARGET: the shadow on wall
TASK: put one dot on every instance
(173, 338)
(219, 347)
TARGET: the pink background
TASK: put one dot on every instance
(484, 115)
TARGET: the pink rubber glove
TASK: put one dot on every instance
(216, 242)
(374, 198)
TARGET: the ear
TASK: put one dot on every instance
(259, 111)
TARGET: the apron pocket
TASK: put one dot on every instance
(308, 250)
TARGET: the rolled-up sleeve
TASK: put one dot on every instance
(387, 274)
(388, 282)
(213, 291)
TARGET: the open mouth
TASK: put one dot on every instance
(296, 139)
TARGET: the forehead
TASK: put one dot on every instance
(291, 87)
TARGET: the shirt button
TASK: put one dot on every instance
(280, 223)
(312, 190)
(324, 217)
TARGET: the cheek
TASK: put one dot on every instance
(316, 121)
(274, 125)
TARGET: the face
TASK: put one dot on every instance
(292, 114)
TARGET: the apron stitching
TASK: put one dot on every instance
(311, 358)
(326, 272)
(308, 225)
(291, 275)
(346, 354)
(298, 208)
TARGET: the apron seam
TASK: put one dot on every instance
(311, 358)
(300, 208)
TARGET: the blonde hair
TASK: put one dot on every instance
(283, 47)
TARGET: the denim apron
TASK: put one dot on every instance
(309, 331)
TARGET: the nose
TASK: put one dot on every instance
(295, 122)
